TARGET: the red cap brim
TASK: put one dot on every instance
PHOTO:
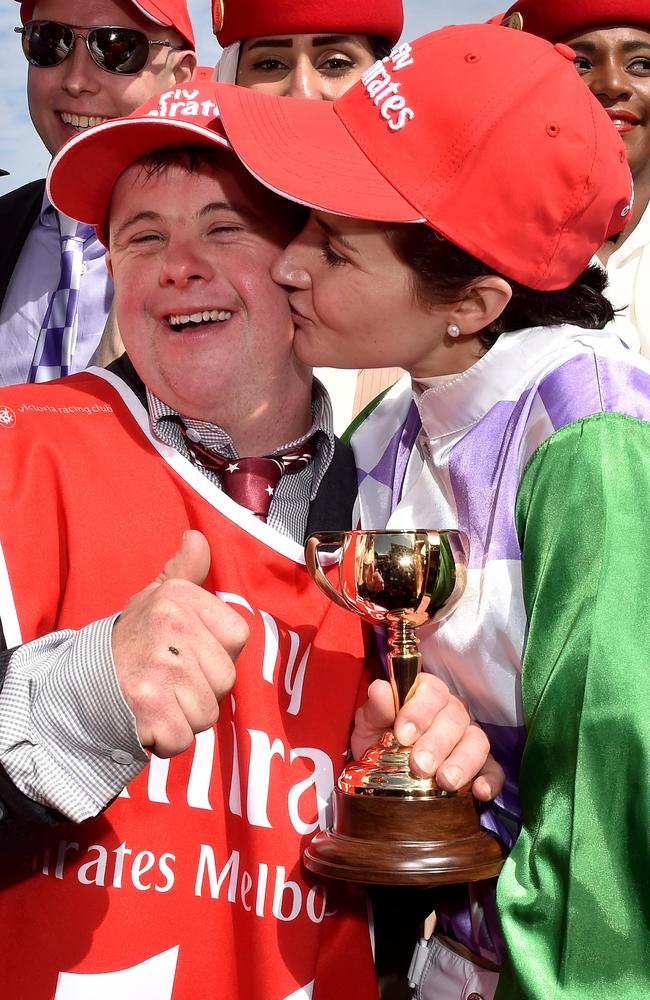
(84, 172)
(302, 150)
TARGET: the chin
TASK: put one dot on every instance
(306, 357)
(319, 359)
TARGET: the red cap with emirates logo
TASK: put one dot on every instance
(557, 19)
(165, 13)
(84, 172)
(234, 20)
(488, 136)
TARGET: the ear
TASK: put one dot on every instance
(483, 302)
(185, 64)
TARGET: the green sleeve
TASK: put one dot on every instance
(574, 895)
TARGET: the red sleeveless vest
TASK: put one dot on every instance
(190, 885)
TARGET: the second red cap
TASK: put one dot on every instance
(557, 19)
(488, 136)
(234, 20)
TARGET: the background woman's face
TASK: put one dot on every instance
(615, 65)
(315, 67)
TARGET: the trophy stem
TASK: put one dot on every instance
(404, 660)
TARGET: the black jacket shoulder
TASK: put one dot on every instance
(19, 210)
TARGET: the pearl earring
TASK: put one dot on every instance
(453, 330)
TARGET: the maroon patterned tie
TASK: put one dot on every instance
(251, 482)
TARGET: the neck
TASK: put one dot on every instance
(259, 425)
(451, 357)
(641, 201)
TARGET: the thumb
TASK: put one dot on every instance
(374, 717)
(190, 562)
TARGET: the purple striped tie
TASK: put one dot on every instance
(58, 335)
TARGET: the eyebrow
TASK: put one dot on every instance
(213, 206)
(287, 43)
(331, 231)
(633, 45)
(131, 221)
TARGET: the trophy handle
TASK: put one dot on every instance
(312, 547)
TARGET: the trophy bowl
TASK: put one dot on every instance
(391, 827)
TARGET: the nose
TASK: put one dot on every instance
(609, 82)
(287, 271)
(305, 81)
(183, 266)
(80, 74)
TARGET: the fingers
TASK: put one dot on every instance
(177, 695)
(490, 781)
(446, 744)
(428, 697)
(461, 764)
(174, 648)
(219, 619)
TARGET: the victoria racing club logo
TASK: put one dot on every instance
(7, 417)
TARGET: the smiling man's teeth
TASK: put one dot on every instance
(213, 316)
(81, 121)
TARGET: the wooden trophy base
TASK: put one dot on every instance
(393, 840)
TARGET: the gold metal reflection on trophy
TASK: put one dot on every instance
(392, 826)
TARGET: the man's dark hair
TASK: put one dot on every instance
(192, 157)
(443, 273)
(189, 157)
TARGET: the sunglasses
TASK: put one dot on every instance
(117, 50)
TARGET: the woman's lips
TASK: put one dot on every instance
(623, 121)
(297, 315)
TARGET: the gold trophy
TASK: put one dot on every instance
(391, 827)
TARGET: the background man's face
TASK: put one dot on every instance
(204, 324)
(65, 99)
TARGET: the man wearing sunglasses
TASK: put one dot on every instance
(89, 61)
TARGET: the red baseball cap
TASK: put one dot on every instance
(84, 172)
(488, 136)
(234, 20)
(167, 13)
(557, 19)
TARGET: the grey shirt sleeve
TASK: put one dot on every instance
(68, 739)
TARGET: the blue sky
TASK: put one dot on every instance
(21, 151)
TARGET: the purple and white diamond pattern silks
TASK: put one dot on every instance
(468, 457)
(58, 335)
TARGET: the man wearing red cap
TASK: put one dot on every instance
(189, 884)
(611, 39)
(88, 61)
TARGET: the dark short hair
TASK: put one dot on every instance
(188, 157)
(192, 157)
(380, 46)
(442, 273)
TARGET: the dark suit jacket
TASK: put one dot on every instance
(331, 510)
(18, 211)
